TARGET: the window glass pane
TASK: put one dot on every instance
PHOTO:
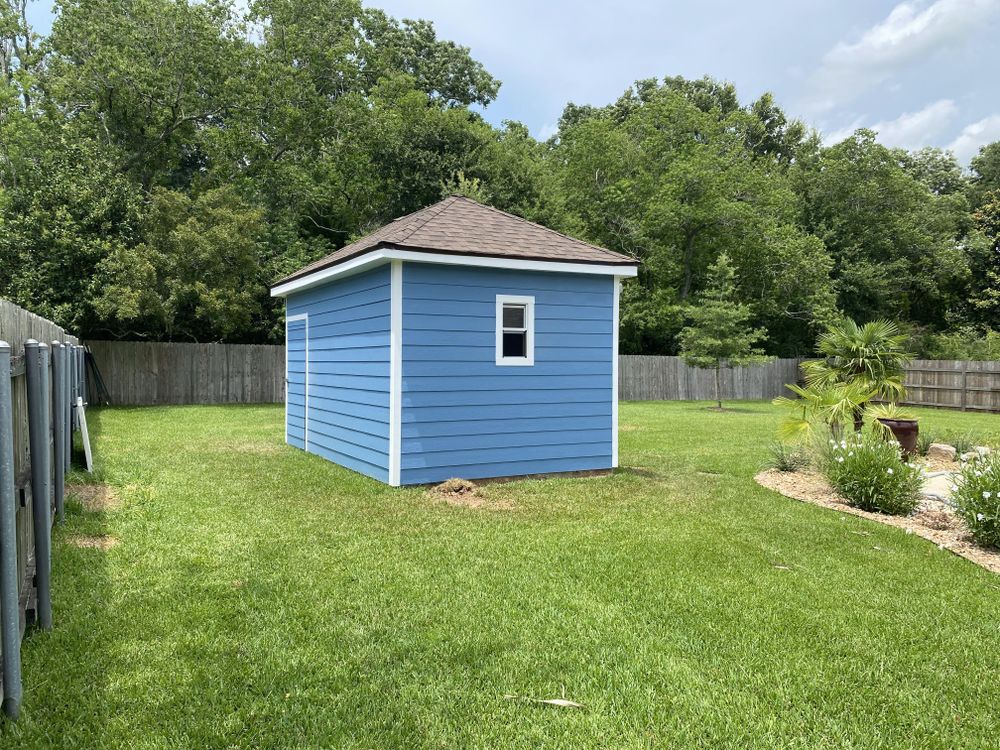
(513, 316)
(515, 345)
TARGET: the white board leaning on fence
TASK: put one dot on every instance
(81, 416)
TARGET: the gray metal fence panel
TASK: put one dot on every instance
(18, 326)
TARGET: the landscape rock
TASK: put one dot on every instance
(941, 452)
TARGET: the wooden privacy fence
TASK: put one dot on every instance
(144, 373)
(954, 384)
(147, 373)
(649, 378)
(41, 375)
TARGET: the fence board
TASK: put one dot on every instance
(949, 384)
(148, 373)
(954, 384)
(651, 378)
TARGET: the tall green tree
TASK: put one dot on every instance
(719, 335)
(897, 248)
(665, 174)
(985, 168)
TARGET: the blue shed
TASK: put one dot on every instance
(458, 341)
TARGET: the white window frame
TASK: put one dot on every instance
(529, 322)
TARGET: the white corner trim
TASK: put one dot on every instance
(395, 370)
(529, 323)
(376, 257)
(614, 375)
(305, 411)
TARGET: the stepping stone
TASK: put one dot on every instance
(937, 485)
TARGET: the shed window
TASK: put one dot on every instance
(515, 330)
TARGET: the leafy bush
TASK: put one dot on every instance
(787, 458)
(977, 499)
(868, 472)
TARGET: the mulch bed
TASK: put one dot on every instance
(933, 520)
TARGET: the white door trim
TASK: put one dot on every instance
(614, 375)
(305, 411)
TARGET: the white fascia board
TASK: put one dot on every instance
(376, 257)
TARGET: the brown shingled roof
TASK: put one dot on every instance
(461, 226)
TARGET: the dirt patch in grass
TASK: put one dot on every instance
(933, 520)
(94, 542)
(466, 494)
(95, 497)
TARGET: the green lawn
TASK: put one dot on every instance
(262, 597)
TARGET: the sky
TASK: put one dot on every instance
(921, 72)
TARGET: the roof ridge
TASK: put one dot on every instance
(542, 226)
(441, 205)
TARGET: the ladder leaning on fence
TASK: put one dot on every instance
(39, 385)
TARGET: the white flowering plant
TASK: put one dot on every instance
(976, 496)
(868, 472)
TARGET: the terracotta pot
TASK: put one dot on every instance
(905, 431)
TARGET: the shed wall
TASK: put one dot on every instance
(348, 367)
(463, 415)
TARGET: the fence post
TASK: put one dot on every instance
(965, 385)
(10, 616)
(59, 426)
(68, 404)
(36, 360)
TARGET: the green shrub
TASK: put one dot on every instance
(787, 458)
(924, 440)
(962, 441)
(868, 472)
(976, 496)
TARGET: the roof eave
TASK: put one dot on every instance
(385, 252)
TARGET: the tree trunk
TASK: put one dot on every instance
(718, 398)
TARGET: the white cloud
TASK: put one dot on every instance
(916, 129)
(547, 130)
(974, 135)
(911, 130)
(910, 32)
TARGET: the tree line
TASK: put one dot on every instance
(161, 162)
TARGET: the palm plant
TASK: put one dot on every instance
(835, 405)
(871, 356)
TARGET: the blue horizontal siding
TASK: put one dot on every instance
(465, 416)
(510, 426)
(349, 370)
(507, 469)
